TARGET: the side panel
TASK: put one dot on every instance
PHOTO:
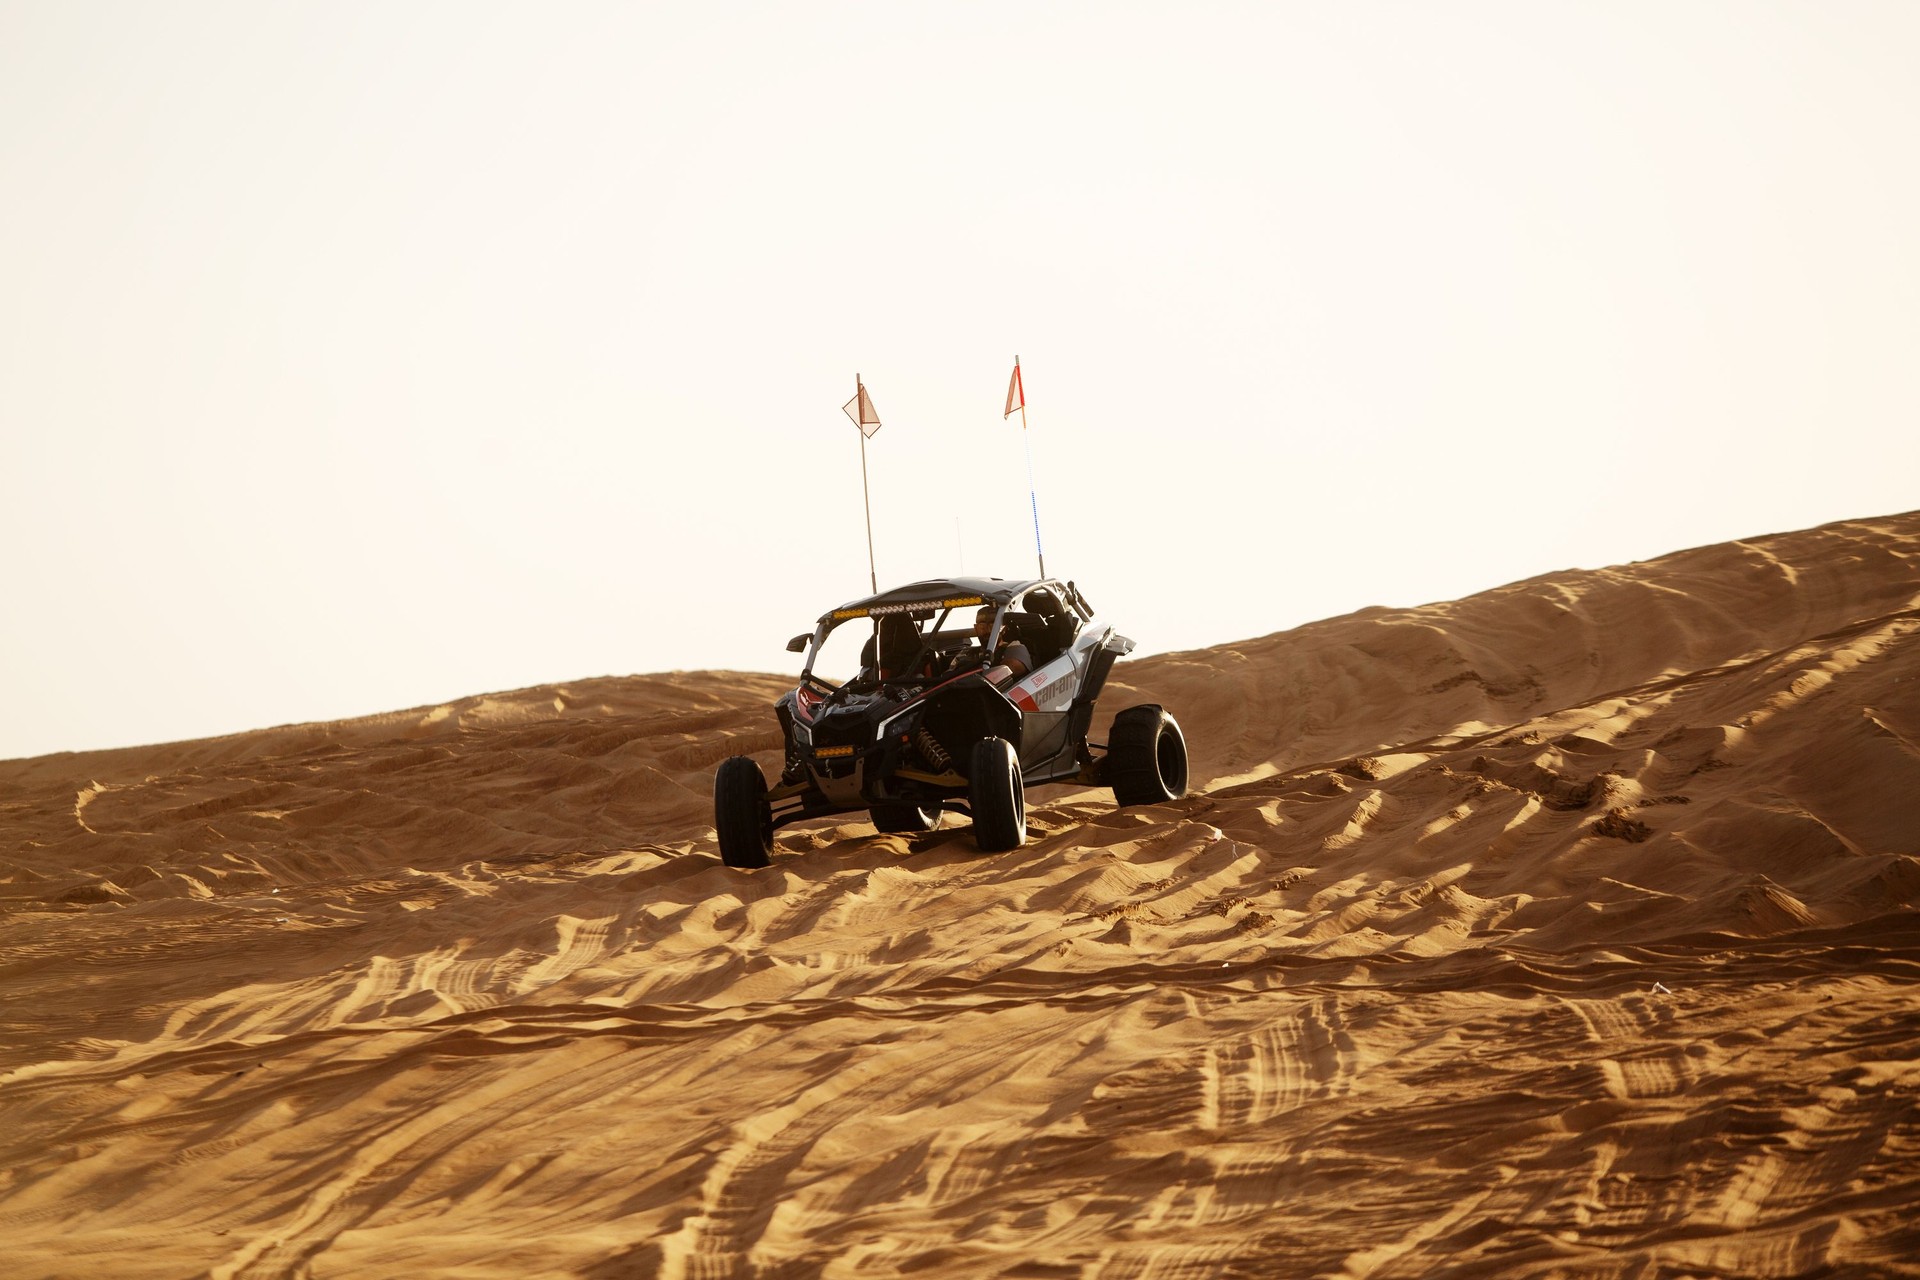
(1049, 688)
(1042, 739)
(1049, 698)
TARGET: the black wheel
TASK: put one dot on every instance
(1146, 756)
(905, 818)
(740, 814)
(998, 797)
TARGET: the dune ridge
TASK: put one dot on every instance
(1566, 929)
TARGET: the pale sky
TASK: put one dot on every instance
(363, 356)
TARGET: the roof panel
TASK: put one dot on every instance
(934, 591)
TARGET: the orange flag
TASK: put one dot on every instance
(1016, 394)
(864, 416)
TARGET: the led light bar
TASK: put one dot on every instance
(826, 753)
(880, 610)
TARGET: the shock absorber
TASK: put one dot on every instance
(930, 748)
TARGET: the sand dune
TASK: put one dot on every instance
(1572, 928)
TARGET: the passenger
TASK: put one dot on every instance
(1011, 661)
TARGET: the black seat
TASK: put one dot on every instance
(1044, 628)
(1035, 634)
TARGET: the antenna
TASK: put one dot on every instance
(1019, 389)
(866, 500)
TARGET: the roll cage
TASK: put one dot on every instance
(1055, 614)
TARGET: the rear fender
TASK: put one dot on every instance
(1099, 665)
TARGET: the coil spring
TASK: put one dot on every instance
(930, 748)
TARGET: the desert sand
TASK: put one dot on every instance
(1569, 929)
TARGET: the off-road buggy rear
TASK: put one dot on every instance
(928, 723)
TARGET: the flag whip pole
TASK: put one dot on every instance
(1027, 444)
(873, 577)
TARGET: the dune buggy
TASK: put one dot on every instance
(929, 722)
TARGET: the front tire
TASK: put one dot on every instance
(740, 815)
(1146, 756)
(998, 797)
(905, 819)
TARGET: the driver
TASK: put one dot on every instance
(1010, 661)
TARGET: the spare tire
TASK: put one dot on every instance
(998, 796)
(1146, 756)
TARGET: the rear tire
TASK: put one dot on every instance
(1146, 757)
(740, 815)
(998, 797)
(905, 819)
